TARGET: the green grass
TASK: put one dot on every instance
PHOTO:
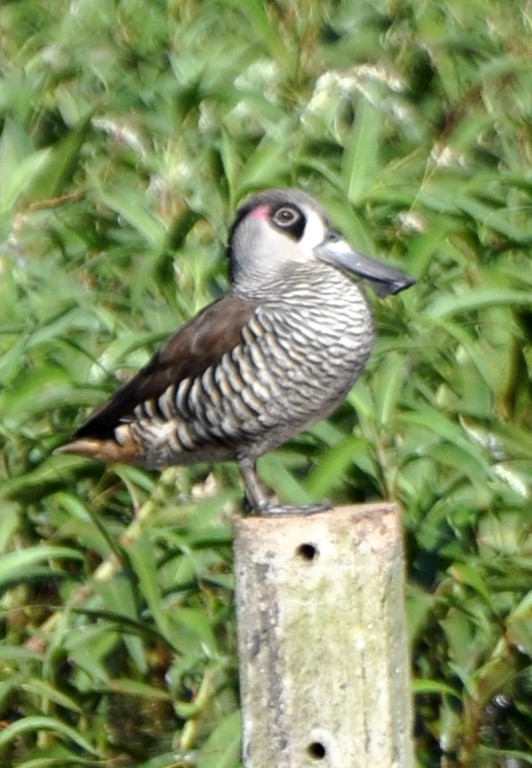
(129, 131)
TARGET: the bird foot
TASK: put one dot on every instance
(261, 502)
(286, 510)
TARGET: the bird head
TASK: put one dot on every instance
(280, 228)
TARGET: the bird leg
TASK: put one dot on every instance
(265, 504)
(257, 496)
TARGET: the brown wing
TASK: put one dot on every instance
(195, 347)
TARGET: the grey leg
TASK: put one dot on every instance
(265, 504)
(256, 494)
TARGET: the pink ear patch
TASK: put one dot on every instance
(261, 212)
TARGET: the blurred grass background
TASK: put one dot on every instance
(130, 130)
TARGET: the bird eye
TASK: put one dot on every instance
(286, 216)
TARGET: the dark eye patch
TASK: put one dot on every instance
(289, 219)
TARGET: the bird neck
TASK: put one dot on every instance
(314, 279)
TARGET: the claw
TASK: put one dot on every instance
(282, 510)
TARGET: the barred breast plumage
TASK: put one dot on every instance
(278, 352)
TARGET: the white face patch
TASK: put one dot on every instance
(314, 233)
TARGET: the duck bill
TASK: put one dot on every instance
(384, 279)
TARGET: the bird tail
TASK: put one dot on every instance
(103, 450)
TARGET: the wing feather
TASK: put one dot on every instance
(200, 343)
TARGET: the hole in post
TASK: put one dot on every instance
(307, 551)
(316, 750)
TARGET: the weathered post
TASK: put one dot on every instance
(322, 640)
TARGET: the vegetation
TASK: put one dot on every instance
(130, 130)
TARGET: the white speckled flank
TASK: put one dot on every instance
(300, 353)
